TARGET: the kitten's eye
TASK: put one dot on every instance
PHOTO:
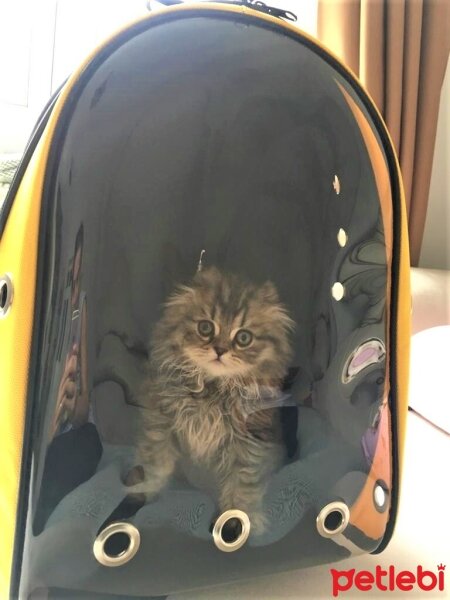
(205, 328)
(243, 338)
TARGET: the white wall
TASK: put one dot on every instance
(82, 24)
(436, 242)
(26, 49)
(42, 41)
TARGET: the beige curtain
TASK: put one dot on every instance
(399, 49)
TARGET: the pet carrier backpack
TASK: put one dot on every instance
(203, 156)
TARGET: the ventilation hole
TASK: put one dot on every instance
(338, 291)
(3, 294)
(6, 294)
(381, 496)
(117, 544)
(342, 238)
(337, 185)
(333, 520)
(232, 530)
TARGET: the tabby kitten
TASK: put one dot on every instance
(219, 355)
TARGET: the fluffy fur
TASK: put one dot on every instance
(219, 354)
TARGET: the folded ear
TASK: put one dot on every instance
(207, 274)
(269, 292)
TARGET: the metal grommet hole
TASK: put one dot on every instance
(333, 519)
(231, 530)
(3, 295)
(6, 294)
(117, 544)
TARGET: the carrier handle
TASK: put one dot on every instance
(255, 4)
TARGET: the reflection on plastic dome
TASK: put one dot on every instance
(366, 354)
(363, 275)
(238, 399)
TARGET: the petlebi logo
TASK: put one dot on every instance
(388, 580)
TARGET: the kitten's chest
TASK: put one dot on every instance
(205, 427)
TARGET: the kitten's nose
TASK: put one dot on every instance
(219, 350)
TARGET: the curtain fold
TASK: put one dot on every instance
(399, 49)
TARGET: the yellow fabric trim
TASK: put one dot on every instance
(403, 331)
(18, 257)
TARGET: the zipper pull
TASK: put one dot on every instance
(271, 10)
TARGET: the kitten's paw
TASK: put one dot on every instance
(134, 476)
(258, 522)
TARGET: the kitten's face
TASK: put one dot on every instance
(227, 328)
